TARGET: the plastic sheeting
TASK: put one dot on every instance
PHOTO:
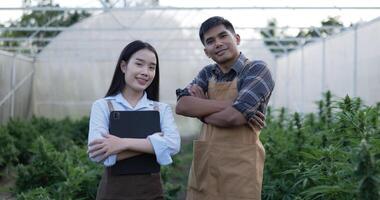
(16, 78)
(76, 68)
(345, 64)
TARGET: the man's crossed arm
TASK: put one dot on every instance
(215, 112)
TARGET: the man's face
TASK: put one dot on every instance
(221, 45)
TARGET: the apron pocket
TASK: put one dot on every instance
(237, 164)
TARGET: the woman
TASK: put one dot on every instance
(134, 87)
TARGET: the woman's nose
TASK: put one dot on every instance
(144, 71)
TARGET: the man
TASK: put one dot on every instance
(230, 97)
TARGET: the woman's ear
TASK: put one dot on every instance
(123, 66)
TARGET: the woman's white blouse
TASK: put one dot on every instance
(165, 145)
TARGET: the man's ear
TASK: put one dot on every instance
(206, 53)
(237, 37)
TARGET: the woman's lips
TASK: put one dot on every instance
(141, 81)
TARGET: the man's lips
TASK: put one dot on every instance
(220, 52)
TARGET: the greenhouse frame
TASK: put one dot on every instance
(44, 80)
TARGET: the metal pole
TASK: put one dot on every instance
(287, 78)
(323, 78)
(274, 97)
(46, 28)
(355, 78)
(13, 83)
(302, 80)
(137, 8)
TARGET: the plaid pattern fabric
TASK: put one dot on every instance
(255, 84)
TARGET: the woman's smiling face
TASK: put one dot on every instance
(140, 70)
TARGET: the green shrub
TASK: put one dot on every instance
(62, 133)
(24, 134)
(65, 175)
(37, 193)
(175, 176)
(8, 151)
(80, 131)
(367, 171)
(81, 176)
(44, 169)
(308, 156)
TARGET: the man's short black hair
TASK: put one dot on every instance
(211, 23)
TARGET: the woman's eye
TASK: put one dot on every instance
(139, 64)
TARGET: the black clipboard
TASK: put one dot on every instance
(135, 124)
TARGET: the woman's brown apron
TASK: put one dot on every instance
(228, 163)
(130, 187)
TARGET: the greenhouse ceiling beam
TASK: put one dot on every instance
(106, 5)
(166, 58)
(19, 48)
(27, 53)
(30, 38)
(35, 8)
(273, 39)
(276, 41)
(63, 28)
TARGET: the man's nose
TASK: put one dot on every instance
(218, 43)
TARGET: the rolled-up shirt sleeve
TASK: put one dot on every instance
(98, 125)
(168, 142)
(201, 80)
(256, 90)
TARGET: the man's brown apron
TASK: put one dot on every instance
(228, 163)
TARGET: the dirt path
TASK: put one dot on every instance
(6, 183)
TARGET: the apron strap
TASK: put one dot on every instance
(110, 106)
(155, 106)
(246, 64)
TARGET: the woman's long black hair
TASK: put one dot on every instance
(118, 82)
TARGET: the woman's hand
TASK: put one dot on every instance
(106, 146)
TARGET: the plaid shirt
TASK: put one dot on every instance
(255, 84)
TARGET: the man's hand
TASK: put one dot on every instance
(258, 120)
(197, 91)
